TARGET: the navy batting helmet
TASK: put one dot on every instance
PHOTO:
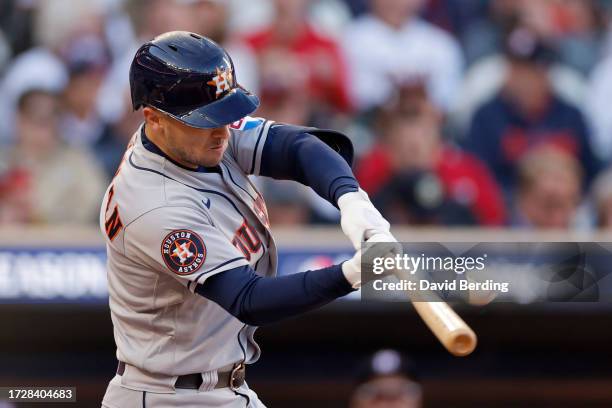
(190, 78)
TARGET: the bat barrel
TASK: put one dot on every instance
(454, 334)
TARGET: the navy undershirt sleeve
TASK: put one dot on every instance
(257, 300)
(303, 157)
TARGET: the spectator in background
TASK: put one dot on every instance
(392, 45)
(485, 46)
(299, 67)
(526, 113)
(111, 146)
(576, 27)
(153, 17)
(602, 200)
(56, 24)
(42, 180)
(86, 59)
(455, 16)
(549, 189)
(328, 16)
(284, 90)
(486, 35)
(387, 380)
(414, 177)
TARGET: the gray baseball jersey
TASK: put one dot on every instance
(169, 229)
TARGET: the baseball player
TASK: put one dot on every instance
(191, 257)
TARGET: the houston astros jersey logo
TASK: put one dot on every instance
(223, 81)
(183, 252)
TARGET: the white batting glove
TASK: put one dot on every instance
(352, 270)
(359, 219)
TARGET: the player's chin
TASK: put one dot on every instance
(214, 155)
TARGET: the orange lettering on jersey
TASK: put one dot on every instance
(113, 224)
(246, 240)
(242, 248)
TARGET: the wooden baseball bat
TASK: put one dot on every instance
(454, 334)
(450, 329)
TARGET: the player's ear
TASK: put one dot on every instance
(153, 119)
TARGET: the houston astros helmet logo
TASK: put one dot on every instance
(222, 81)
(183, 252)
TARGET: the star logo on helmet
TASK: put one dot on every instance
(222, 81)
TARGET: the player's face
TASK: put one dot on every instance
(189, 146)
(204, 147)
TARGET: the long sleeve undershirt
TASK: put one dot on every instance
(257, 300)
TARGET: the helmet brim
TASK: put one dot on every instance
(231, 108)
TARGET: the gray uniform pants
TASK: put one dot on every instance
(117, 396)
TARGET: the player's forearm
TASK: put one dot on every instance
(303, 157)
(257, 301)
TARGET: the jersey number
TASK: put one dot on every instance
(113, 223)
(246, 240)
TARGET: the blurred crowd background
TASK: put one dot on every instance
(462, 112)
